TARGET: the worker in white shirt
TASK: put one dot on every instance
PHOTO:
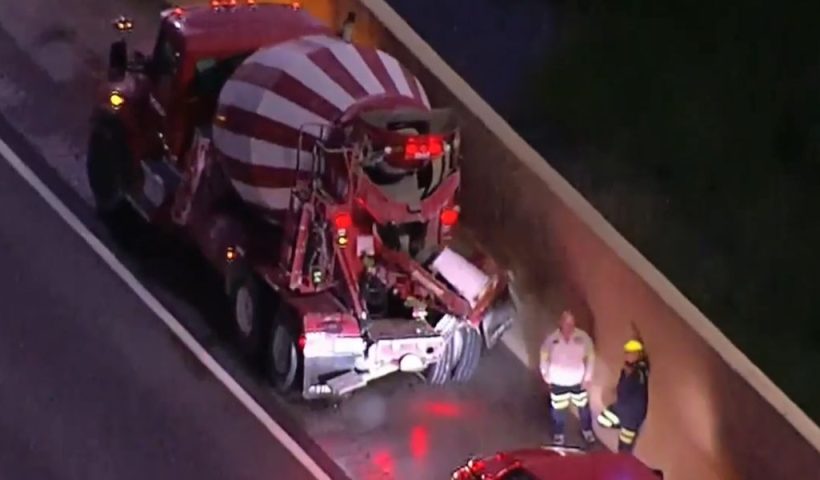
(567, 357)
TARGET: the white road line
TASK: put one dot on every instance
(170, 321)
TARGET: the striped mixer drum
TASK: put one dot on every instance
(293, 85)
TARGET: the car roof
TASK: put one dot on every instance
(544, 464)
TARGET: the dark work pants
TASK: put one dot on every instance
(629, 426)
(561, 397)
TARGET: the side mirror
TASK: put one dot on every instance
(118, 53)
(117, 60)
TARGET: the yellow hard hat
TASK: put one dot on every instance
(633, 346)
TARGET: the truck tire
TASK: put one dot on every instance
(107, 164)
(440, 372)
(250, 322)
(470, 353)
(284, 358)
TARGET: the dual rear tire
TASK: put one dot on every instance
(269, 343)
(274, 344)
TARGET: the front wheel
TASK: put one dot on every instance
(107, 163)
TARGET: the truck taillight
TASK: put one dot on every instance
(423, 147)
(302, 341)
(342, 221)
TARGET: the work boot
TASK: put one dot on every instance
(589, 436)
(558, 440)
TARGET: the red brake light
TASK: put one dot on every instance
(342, 221)
(476, 466)
(302, 341)
(449, 217)
(423, 147)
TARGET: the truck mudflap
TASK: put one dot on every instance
(336, 366)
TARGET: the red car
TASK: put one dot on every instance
(556, 463)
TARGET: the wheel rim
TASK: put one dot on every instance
(244, 311)
(282, 351)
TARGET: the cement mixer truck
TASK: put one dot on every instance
(314, 175)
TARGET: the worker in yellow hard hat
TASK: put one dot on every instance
(629, 410)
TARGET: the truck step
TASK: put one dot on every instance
(347, 382)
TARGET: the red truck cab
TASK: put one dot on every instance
(555, 463)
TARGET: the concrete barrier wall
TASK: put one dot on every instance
(713, 414)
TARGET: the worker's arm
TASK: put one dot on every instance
(544, 361)
(589, 358)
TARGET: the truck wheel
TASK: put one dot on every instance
(284, 358)
(249, 316)
(469, 353)
(440, 372)
(106, 166)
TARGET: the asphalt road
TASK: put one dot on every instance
(92, 385)
(398, 428)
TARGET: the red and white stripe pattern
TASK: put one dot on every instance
(291, 86)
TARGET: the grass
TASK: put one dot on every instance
(701, 132)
